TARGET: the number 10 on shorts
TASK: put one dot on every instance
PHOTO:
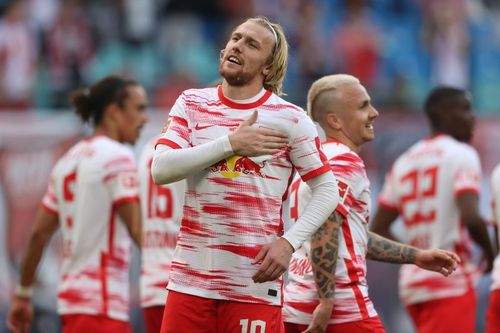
(254, 324)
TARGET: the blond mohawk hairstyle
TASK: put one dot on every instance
(279, 55)
(326, 83)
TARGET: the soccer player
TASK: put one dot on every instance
(93, 197)
(161, 210)
(493, 313)
(238, 145)
(434, 186)
(333, 296)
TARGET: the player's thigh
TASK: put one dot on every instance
(153, 316)
(493, 314)
(78, 323)
(452, 314)
(369, 325)
(188, 313)
(237, 317)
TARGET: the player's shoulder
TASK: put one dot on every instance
(199, 94)
(334, 149)
(278, 102)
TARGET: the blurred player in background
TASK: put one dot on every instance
(342, 107)
(434, 186)
(93, 197)
(238, 145)
(161, 209)
(493, 313)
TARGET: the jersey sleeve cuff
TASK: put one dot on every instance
(316, 172)
(385, 204)
(466, 190)
(49, 209)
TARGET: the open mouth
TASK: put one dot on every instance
(369, 126)
(234, 60)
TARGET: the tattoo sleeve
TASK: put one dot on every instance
(324, 253)
(386, 250)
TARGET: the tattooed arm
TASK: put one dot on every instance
(386, 250)
(324, 253)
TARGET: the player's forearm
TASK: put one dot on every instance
(31, 258)
(170, 165)
(323, 201)
(324, 254)
(386, 250)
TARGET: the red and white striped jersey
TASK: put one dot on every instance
(161, 207)
(495, 195)
(86, 186)
(422, 187)
(351, 291)
(234, 207)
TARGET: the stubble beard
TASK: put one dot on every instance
(235, 78)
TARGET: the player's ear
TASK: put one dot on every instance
(333, 121)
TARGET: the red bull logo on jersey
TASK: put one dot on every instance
(235, 166)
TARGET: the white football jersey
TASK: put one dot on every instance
(161, 207)
(352, 302)
(495, 194)
(86, 186)
(422, 186)
(233, 208)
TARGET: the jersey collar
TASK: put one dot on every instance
(243, 106)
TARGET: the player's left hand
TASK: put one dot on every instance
(321, 315)
(274, 259)
(437, 260)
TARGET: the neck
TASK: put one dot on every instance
(106, 131)
(241, 92)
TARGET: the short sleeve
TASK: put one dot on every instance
(176, 132)
(306, 153)
(349, 170)
(121, 179)
(388, 196)
(49, 200)
(467, 172)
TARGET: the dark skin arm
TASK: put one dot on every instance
(130, 213)
(467, 203)
(382, 222)
(324, 254)
(21, 310)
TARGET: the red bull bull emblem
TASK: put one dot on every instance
(234, 166)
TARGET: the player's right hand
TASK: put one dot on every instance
(20, 315)
(248, 140)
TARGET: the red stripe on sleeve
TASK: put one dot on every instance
(466, 190)
(315, 173)
(49, 209)
(388, 206)
(167, 142)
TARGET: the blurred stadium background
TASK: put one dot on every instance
(399, 49)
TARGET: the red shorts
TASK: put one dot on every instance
(78, 323)
(193, 314)
(493, 313)
(370, 325)
(452, 314)
(152, 318)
